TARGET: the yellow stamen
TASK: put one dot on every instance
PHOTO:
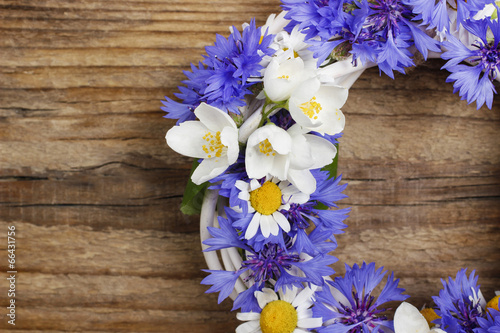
(266, 199)
(266, 148)
(278, 317)
(429, 315)
(493, 303)
(295, 54)
(311, 108)
(214, 145)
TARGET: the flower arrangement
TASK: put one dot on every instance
(261, 115)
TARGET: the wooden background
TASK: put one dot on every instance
(94, 192)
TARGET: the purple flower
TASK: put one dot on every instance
(272, 265)
(489, 324)
(474, 82)
(378, 31)
(350, 306)
(221, 79)
(460, 304)
(434, 14)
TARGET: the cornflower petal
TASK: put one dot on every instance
(221, 281)
(223, 237)
(459, 304)
(358, 308)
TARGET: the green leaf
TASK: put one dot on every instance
(321, 206)
(332, 167)
(193, 195)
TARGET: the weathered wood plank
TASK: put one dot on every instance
(86, 176)
(90, 319)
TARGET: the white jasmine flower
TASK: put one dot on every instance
(319, 110)
(287, 155)
(281, 78)
(214, 138)
(408, 319)
(292, 45)
(266, 201)
(275, 23)
(290, 312)
(268, 152)
(322, 152)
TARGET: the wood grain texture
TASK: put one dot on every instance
(94, 192)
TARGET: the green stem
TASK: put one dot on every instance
(265, 115)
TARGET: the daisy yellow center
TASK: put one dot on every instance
(429, 315)
(493, 303)
(266, 148)
(266, 199)
(213, 147)
(278, 317)
(311, 108)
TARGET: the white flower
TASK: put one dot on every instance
(266, 201)
(287, 155)
(309, 152)
(408, 319)
(318, 109)
(292, 45)
(275, 24)
(291, 312)
(281, 78)
(214, 138)
(268, 152)
(489, 10)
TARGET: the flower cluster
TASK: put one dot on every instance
(380, 31)
(460, 308)
(261, 115)
(384, 32)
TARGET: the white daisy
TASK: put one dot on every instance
(408, 319)
(266, 201)
(290, 312)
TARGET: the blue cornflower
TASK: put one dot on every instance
(378, 31)
(474, 82)
(460, 304)
(327, 222)
(222, 78)
(434, 14)
(489, 324)
(190, 95)
(391, 27)
(352, 307)
(307, 15)
(272, 265)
